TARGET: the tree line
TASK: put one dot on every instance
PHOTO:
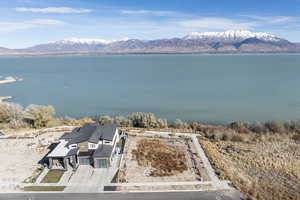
(36, 116)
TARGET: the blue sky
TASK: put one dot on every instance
(28, 22)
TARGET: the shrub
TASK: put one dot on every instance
(239, 126)
(11, 114)
(123, 121)
(258, 128)
(147, 120)
(180, 124)
(216, 135)
(67, 120)
(227, 136)
(237, 138)
(39, 116)
(275, 127)
(296, 137)
(105, 119)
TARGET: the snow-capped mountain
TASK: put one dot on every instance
(82, 41)
(231, 35)
(232, 41)
(75, 45)
(87, 41)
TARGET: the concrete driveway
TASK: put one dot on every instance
(88, 179)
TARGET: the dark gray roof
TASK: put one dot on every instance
(106, 131)
(103, 151)
(69, 135)
(93, 132)
(73, 152)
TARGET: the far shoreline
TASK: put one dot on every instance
(70, 54)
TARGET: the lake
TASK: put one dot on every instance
(206, 88)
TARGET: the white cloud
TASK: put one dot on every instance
(16, 26)
(46, 21)
(282, 19)
(147, 12)
(216, 23)
(271, 19)
(55, 10)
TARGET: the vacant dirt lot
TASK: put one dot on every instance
(140, 165)
(268, 169)
(19, 158)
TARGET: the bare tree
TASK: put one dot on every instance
(39, 116)
(11, 114)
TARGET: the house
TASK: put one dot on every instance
(93, 144)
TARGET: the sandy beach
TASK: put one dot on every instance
(8, 80)
(3, 98)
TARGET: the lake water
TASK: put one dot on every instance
(206, 88)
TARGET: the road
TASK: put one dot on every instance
(203, 195)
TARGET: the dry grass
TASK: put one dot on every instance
(265, 168)
(166, 160)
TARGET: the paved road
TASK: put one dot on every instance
(205, 195)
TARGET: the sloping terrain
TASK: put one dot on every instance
(268, 169)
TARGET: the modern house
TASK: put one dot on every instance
(92, 144)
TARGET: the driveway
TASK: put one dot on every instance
(88, 179)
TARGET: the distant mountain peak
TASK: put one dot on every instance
(88, 41)
(82, 41)
(232, 35)
(231, 41)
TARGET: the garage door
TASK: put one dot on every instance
(84, 161)
(101, 163)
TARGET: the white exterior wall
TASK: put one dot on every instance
(105, 142)
(115, 140)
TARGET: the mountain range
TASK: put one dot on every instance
(232, 41)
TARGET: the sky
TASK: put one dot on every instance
(25, 23)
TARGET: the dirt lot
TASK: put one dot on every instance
(133, 171)
(268, 169)
(19, 158)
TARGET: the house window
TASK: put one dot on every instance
(73, 146)
(93, 146)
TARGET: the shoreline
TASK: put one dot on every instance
(61, 54)
(4, 98)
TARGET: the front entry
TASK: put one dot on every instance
(101, 163)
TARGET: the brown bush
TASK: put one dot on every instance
(296, 137)
(237, 138)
